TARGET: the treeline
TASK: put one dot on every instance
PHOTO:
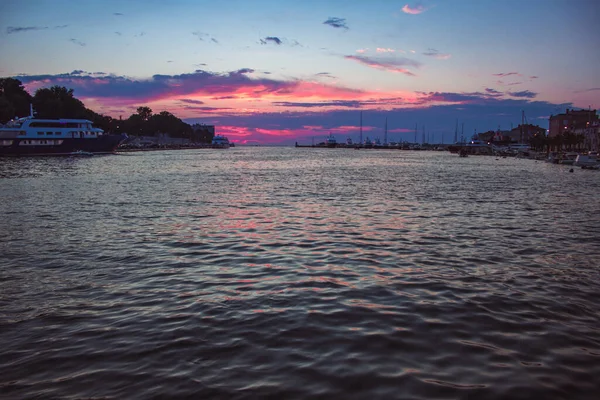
(59, 102)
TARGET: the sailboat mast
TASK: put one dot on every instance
(522, 122)
(456, 132)
(360, 141)
(385, 134)
(415, 133)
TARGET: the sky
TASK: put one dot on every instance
(280, 72)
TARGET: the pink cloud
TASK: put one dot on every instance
(418, 9)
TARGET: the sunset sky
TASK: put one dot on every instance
(277, 72)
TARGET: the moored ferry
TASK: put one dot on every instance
(30, 136)
(220, 142)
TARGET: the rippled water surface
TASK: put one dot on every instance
(298, 273)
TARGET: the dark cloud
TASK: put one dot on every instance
(336, 22)
(118, 14)
(77, 42)
(121, 87)
(436, 54)
(213, 109)
(334, 103)
(492, 91)
(344, 103)
(205, 37)
(191, 101)
(525, 93)
(272, 39)
(118, 33)
(325, 75)
(506, 74)
(397, 64)
(18, 29)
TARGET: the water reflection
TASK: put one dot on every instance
(294, 273)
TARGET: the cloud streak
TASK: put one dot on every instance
(392, 64)
(504, 74)
(19, 29)
(436, 54)
(525, 94)
(77, 42)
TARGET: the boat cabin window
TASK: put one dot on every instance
(53, 124)
(48, 133)
(22, 133)
(57, 133)
(40, 133)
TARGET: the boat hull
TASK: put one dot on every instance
(31, 147)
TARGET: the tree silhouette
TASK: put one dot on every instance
(14, 99)
(144, 112)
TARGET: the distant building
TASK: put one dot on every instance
(516, 135)
(525, 134)
(572, 120)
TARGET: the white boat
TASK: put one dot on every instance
(30, 136)
(220, 142)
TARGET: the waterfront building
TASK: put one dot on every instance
(572, 121)
(591, 136)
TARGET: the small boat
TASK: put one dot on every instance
(568, 158)
(587, 161)
(330, 142)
